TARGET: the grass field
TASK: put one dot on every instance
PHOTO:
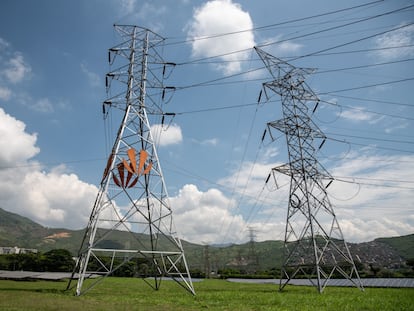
(133, 294)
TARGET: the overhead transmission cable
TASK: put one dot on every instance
(352, 42)
(373, 138)
(371, 146)
(339, 26)
(302, 36)
(276, 24)
(402, 46)
(199, 84)
(321, 72)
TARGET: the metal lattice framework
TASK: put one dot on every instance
(314, 244)
(131, 220)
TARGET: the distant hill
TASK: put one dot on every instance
(404, 245)
(16, 230)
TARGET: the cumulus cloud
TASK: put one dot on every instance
(206, 216)
(374, 201)
(402, 38)
(377, 195)
(16, 146)
(167, 135)
(54, 198)
(215, 18)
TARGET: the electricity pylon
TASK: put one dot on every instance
(131, 225)
(314, 245)
(253, 257)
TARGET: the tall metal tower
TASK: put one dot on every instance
(253, 258)
(131, 221)
(314, 245)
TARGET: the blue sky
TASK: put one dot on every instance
(53, 148)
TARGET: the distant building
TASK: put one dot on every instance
(6, 250)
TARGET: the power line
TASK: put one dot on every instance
(222, 61)
(324, 101)
(363, 66)
(339, 26)
(318, 72)
(305, 35)
(372, 184)
(299, 57)
(355, 51)
(372, 100)
(368, 86)
(274, 25)
(379, 179)
(351, 42)
(370, 131)
(374, 138)
(216, 108)
(371, 146)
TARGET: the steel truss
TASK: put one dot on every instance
(131, 225)
(314, 244)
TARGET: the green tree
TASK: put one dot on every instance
(58, 260)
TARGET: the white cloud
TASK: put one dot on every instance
(42, 105)
(206, 142)
(206, 216)
(378, 207)
(283, 48)
(5, 93)
(399, 126)
(3, 44)
(55, 198)
(398, 38)
(15, 144)
(382, 204)
(211, 142)
(16, 68)
(167, 135)
(220, 17)
(358, 114)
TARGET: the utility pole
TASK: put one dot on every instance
(131, 219)
(314, 245)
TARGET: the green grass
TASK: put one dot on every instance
(133, 294)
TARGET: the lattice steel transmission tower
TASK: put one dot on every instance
(314, 245)
(131, 221)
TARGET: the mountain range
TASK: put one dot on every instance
(16, 230)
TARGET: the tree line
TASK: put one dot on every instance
(55, 260)
(61, 260)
